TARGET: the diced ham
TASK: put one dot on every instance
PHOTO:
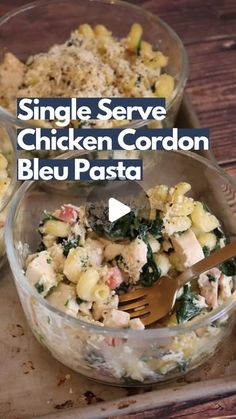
(114, 278)
(134, 256)
(68, 214)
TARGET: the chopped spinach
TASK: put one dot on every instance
(79, 300)
(211, 278)
(183, 365)
(206, 208)
(150, 272)
(139, 45)
(41, 247)
(95, 358)
(206, 251)
(48, 216)
(228, 268)
(128, 227)
(70, 244)
(130, 381)
(156, 225)
(219, 233)
(39, 287)
(187, 307)
(123, 288)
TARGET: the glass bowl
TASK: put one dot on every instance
(115, 356)
(8, 151)
(57, 18)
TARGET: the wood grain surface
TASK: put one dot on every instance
(208, 30)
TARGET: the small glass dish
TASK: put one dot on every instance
(57, 18)
(122, 357)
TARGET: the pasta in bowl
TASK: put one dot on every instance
(88, 53)
(71, 285)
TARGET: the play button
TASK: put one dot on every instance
(116, 209)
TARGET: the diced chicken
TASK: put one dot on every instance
(209, 283)
(187, 248)
(116, 318)
(100, 308)
(56, 252)
(134, 256)
(163, 263)
(136, 324)
(85, 308)
(112, 250)
(79, 230)
(41, 272)
(95, 251)
(225, 287)
(61, 296)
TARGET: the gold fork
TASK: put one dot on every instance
(151, 304)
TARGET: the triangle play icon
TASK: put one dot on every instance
(116, 209)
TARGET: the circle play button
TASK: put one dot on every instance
(114, 208)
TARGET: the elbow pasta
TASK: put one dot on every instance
(203, 220)
(56, 228)
(75, 263)
(101, 292)
(85, 288)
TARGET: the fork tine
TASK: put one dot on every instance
(138, 313)
(135, 304)
(132, 295)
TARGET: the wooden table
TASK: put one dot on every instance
(208, 30)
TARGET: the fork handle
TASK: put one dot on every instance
(219, 256)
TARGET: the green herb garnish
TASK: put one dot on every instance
(228, 268)
(138, 50)
(79, 300)
(70, 244)
(187, 306)
(211, 278)
(39, 287)
(128, 227)
(150, 272)
(206, 251)
(48, 216)
(41, 247)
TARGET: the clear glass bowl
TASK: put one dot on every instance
(8, 150)
(37, 26)
(122, 357)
